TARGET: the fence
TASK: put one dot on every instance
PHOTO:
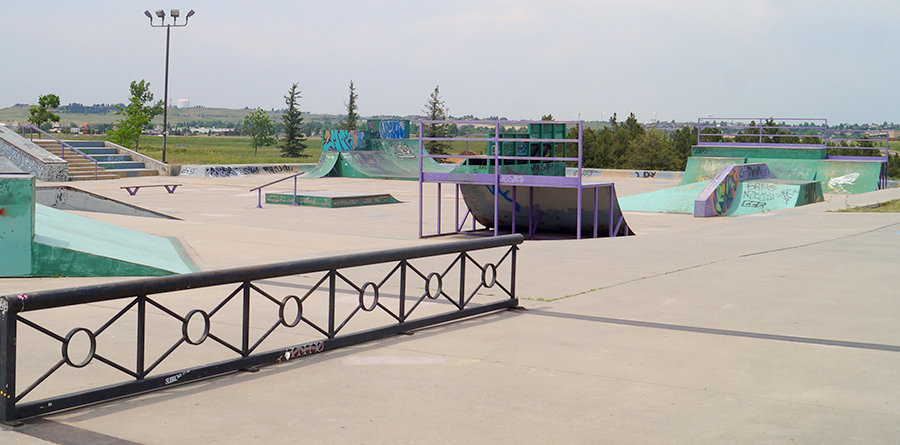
(157, 326)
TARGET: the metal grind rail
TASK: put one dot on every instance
(258, 190)
(63, 144)
(436, 290)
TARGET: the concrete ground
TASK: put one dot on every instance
(772, 328)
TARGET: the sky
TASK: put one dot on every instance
(665, 59)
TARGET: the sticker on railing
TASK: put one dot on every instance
(303, 350)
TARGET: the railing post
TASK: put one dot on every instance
(7, 362)
(332, 281)
(141, 335)
(245, 322)
(463, 256)
(403, 264)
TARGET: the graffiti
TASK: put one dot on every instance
(790, 195)
(753, 204)
(227, 171)
(303, 350)
(760, 186)
(391, 130)
(278, 169)
(44, 169)
(342, 140)
(176, 377)
(699, 150)
(838, 183)
(505, 196)
(758, 196)
(512, 179)
(189, 171)
(749, 172)
(643, 174)
(402, 150)
(724, 194)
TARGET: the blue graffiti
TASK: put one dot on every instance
(505, 196)
(342, 140)
(391, 130)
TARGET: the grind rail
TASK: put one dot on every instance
(409, 296)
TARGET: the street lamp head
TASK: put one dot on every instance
(189, 14)
(161, 14)
(149, 16)
(175, 13)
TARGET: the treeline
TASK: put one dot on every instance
(630, 146)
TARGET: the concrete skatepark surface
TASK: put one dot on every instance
(777, 327)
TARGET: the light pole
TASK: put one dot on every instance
(162, 24)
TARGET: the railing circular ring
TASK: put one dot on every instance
(90, 355)
(362, 294)
(187, 321)
(440, 286)
(299, 311)
(484, 275)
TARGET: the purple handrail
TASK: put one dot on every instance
(259, 189)
(63, 144)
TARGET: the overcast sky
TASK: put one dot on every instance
(681, 59)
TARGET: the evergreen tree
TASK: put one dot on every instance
(352, 120)
(292, 122)
(436, 111)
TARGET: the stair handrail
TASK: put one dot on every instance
(62, 144)
(259, 189)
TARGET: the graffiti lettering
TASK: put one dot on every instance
(699, 150)
(512, 179)
(758, 196)
(227, 171)
(759, 186)
(278, 169)
(189, 171)
(643, 174)
(790, 195)
(342, 140)
(391, 130)
(753, 204)
(176, 377)
(303, 350)
(752, 172)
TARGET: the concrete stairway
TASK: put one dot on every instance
(112, 164)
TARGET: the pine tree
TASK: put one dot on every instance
(352, 120)
(292, 121)
(436, 111)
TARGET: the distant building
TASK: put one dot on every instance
(184, 103)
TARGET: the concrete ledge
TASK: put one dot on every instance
(30, 157)
(613, 173)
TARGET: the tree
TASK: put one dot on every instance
(436, 111)
(259, 126)
(292, 122)
(138, 114)
(547, 117)
(40, 113)
(352, 120)
(652, 150)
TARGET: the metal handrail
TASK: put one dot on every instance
(258, 190)
(63, 144)
(431, 288)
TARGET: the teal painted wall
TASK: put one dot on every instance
(16, 224)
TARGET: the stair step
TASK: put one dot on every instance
(122, 165)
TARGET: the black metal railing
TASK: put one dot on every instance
(416, 288)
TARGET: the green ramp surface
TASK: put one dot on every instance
(326, 164)
(704, 168)
(70, 245)
(766, 195)
(678, 199)
(802, 169)
(848, 176)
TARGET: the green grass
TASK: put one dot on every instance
(206, 150)
(892, 206)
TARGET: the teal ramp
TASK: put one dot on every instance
(678, 199)
(326, 164)
(848, 176)
(703, 168)
(802, 169)
(766, 195)
(74, 246)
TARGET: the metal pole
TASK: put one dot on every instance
(166, 97)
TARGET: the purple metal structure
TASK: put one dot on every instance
(258, 190)
(816, 133)
(63, 144)
(498, 179)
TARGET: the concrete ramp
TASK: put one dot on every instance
(678, 199)
(74, 246)
(705, 168)
(390, 159)
(849, 176)
(325, 166)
